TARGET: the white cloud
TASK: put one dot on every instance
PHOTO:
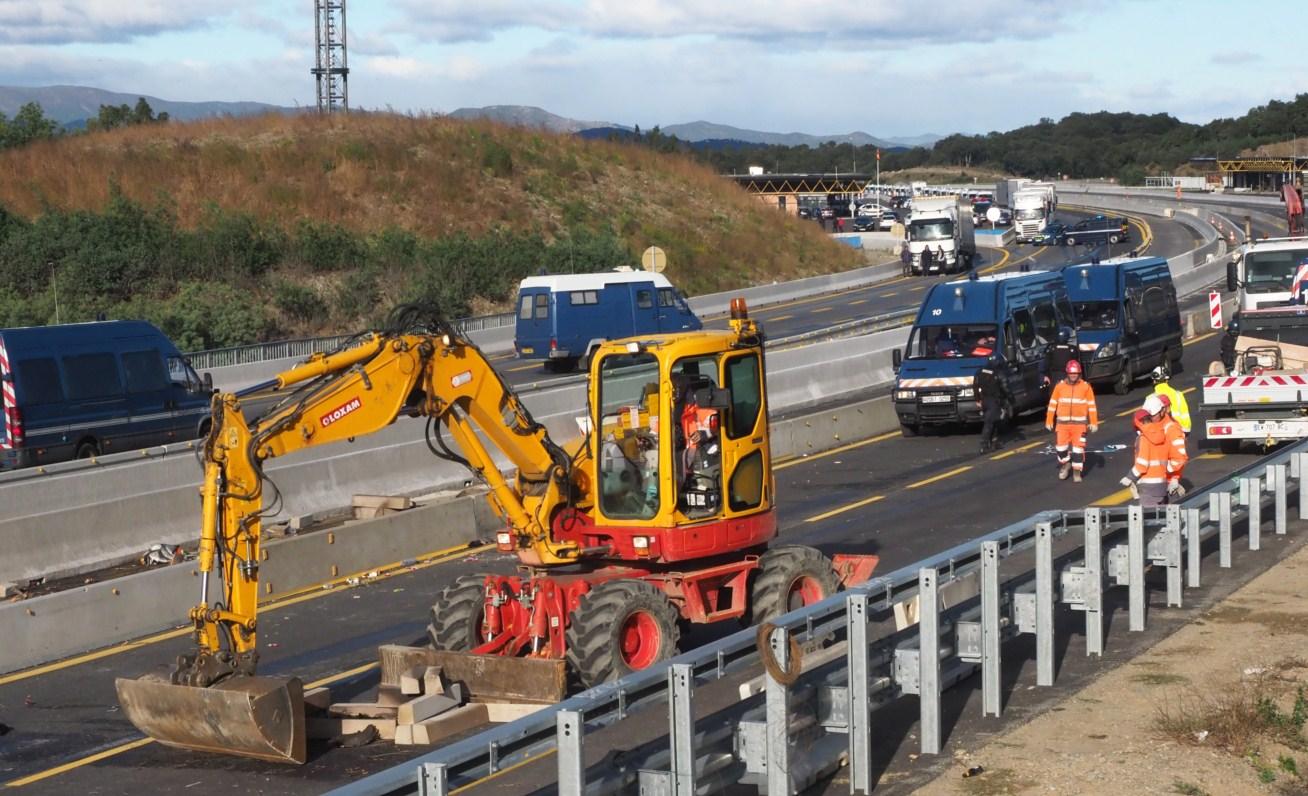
(70, 21)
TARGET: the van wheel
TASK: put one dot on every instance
(1070, 241)
(1125, 379)
(204, 429)
(1114, 238)
(88, 449)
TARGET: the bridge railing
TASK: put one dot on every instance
(954, 609)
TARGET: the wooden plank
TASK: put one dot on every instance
(501, 712)
(321, 727)
(403, 734)
(361, 710)
(437, 729)
(488, 678)
(411, 681)
(433, 680)
(424, 707)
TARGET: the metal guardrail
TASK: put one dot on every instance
(303, 347)
(826, 710)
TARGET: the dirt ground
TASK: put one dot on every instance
(1217, 708)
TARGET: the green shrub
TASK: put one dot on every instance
(324, 246)
(299, 302)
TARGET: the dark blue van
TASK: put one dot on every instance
(85, 389)
(958, 326)
(561, 319)
(1127, 319)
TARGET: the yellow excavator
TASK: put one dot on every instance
(660, 514)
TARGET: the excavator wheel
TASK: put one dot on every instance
(620, 627)
(456, 620)
(790, 577)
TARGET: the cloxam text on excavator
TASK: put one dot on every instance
(660, 514)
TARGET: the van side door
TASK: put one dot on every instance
(152, 397)
(1028, 389)
(192, 400)
(98, 411)
(532, 330)
(644, 309)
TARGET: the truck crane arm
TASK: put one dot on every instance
(419, 366)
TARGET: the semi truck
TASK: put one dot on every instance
(1032, 207)
(941, 226)
(1263, 271)
(1258, 394)
(1006, 189)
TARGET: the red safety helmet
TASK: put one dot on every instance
(1074, 367)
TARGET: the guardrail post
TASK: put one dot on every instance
(568, 740)
(1276, 480)
(778, 717)
(1251, 497)
(433, 780)
(1299, 469)
(928, 659)
(1094, 583)
(1194, 536)
(1172, 546)
(991, 663)
(1044, 604)
(681, 726)
(860, 711)
(1219, 505)
(1135, 555)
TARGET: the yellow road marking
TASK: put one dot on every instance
(916, 289)
(1199, 337)
(856, 303)
(849, 507)
(1116, 499)
(1016, 451)
(781, 318)
(503, 771)
(1000, 264)
(139, 742)
(816, 310)
(274, 603)
(851, 446)
(940, 477)
(891, 293)
(1213, 455)
(523, 367)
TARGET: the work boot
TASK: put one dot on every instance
(1076, 476)
(1063, 470)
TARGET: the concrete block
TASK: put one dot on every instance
(438, 728)
(503, 712)
(368, 507)
(318, 698)
(324, 728)
(433, 681)
(404, 735)
(411, 681)
(424, 707)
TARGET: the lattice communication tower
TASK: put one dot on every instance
(331, 66)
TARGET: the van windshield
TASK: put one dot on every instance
(1096, 315)
(950, 342)
(931, 230)
(1271, 272)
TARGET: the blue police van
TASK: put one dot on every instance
(85, 389)
(959, 325)
(1128, 321)
(563, 318)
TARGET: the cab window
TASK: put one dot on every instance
(38, 381)
(628, 435)
(1045, 319)
(524, 309)
(1026, 337)
(644, 299)
(145, 371)
(746, 395)
(542, 306)
(666, 296)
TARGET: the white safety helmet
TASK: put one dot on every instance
(1158, 374)
(1154, 404)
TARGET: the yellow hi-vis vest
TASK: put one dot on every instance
(1180, 409)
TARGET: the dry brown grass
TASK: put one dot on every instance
(432, 176)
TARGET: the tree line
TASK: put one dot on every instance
(31, 124)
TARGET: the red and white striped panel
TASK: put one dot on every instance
(1223, 382)
(1215, 310)
(939, 381)
(8, 400)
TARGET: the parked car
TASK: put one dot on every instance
(888, 219)
(865, 223)
(869, 209)
(1051, 235)
(1005, 218)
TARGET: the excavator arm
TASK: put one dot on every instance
(418, 369)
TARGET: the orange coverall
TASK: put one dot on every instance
(1073, 406)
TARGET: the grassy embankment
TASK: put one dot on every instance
(228, 231)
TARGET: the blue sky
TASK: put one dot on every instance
(889, 69)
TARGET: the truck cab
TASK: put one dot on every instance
(1263, 271)
(941, 225)
(963, 322)
(1127, 319)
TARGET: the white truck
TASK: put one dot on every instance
(941, 238)
(1262, 394)
(1263, 271)
(1031, 208)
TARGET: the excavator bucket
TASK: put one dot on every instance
(488, 678)
(259, 717)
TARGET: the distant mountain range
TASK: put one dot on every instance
(71, 106)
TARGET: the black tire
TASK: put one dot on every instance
(1177, 356)
(1070, 240)
(1114, 238)
(456, 619)
(781, 571)
(909, 429)
(87, 449)
(563, 365)
(204, 429)
(1125, 380)
(604, 616)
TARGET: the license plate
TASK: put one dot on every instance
(528, 350)
(1278, 427)
(936, 399)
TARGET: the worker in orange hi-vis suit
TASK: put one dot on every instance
(1072, 405)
